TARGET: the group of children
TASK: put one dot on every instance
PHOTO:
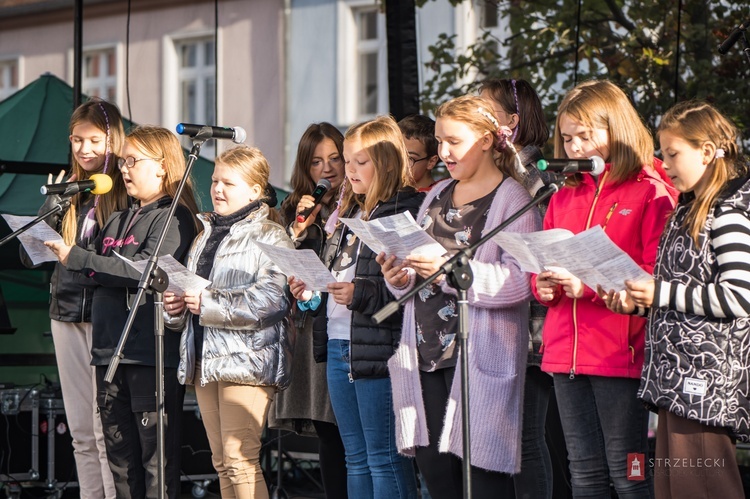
(376, 394)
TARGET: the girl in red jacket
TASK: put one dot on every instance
(595, 355)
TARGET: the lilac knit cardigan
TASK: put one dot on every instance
(498, 344)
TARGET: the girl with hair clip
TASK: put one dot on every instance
(96, 136)
(595, 355)
(305, 407)
(152, 165)
(517, 106)
(697, 352)
(236, 345)
(378, 185)
(481, 194)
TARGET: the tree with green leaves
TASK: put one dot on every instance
(658, 52)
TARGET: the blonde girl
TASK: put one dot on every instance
(96, 136)
(596, 356)
(480, 195)
(378, 184)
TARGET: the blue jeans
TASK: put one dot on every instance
(535, 479)
(603, 422)
(364, 413)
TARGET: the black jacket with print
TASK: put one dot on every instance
(371, 344)
(697, 350)
(132, 233)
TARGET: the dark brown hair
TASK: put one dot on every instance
(302, 182)
(519, 97)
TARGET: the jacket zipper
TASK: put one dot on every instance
(599, 185)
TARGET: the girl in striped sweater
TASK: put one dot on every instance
(697, 350)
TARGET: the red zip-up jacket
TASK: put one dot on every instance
(581, 336)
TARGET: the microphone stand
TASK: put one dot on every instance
(460, 277)
(60, 206)
(155, 279)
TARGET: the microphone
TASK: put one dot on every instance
(593, 165)
(236, 134)
(98, 183)
(735, 35)
(321, 188)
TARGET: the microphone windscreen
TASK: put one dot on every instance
(102, 183)
(239, 135)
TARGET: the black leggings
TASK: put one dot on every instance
(332, 460)
(442, 471)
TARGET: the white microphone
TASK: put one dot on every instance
(98, 183)
(593, 165)
(236, 134)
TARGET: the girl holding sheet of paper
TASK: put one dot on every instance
(357, 350)
(236, 345)
(595, 355)
(305, 407)
(152, 164)
(481, 194)
(697, 354)
(96, 137)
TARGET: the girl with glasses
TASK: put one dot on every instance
(127, 405)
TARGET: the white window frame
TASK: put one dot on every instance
(101, 82)
(6, 62)
(348, 52)
(172, 84)
(119, 49)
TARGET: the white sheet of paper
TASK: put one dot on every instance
(304, 265)
(180, 278)
(528, 248)
(33, 239)
(398, 235)
(595, 259)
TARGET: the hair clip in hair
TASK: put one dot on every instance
(489, 116)
(719, 153)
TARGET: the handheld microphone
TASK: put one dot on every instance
(98, 183)
(236, 134)
(593, 165)
(735, 35)
(321, 188)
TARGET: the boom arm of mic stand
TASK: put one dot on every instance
(64, 202)
(457, 260)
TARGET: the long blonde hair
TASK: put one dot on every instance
(697, 123)
(106, 117)
(602, 104)
(381, 139)
(254, 168)
(476, 113)
(161, 144)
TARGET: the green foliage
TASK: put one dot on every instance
(633, 43)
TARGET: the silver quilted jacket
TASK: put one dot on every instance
(245, 311)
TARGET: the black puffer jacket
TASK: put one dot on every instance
(71, 293)
(371, 344)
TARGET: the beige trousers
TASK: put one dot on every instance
(78, 381)
(234, 417)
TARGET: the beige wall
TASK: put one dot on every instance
(250, 87)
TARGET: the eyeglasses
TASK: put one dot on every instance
(130, 161)
(413, 161)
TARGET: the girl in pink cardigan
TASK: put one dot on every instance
(426, 395)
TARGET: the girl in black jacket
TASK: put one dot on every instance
(96, 136)
(151, 165)
(357, 350)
